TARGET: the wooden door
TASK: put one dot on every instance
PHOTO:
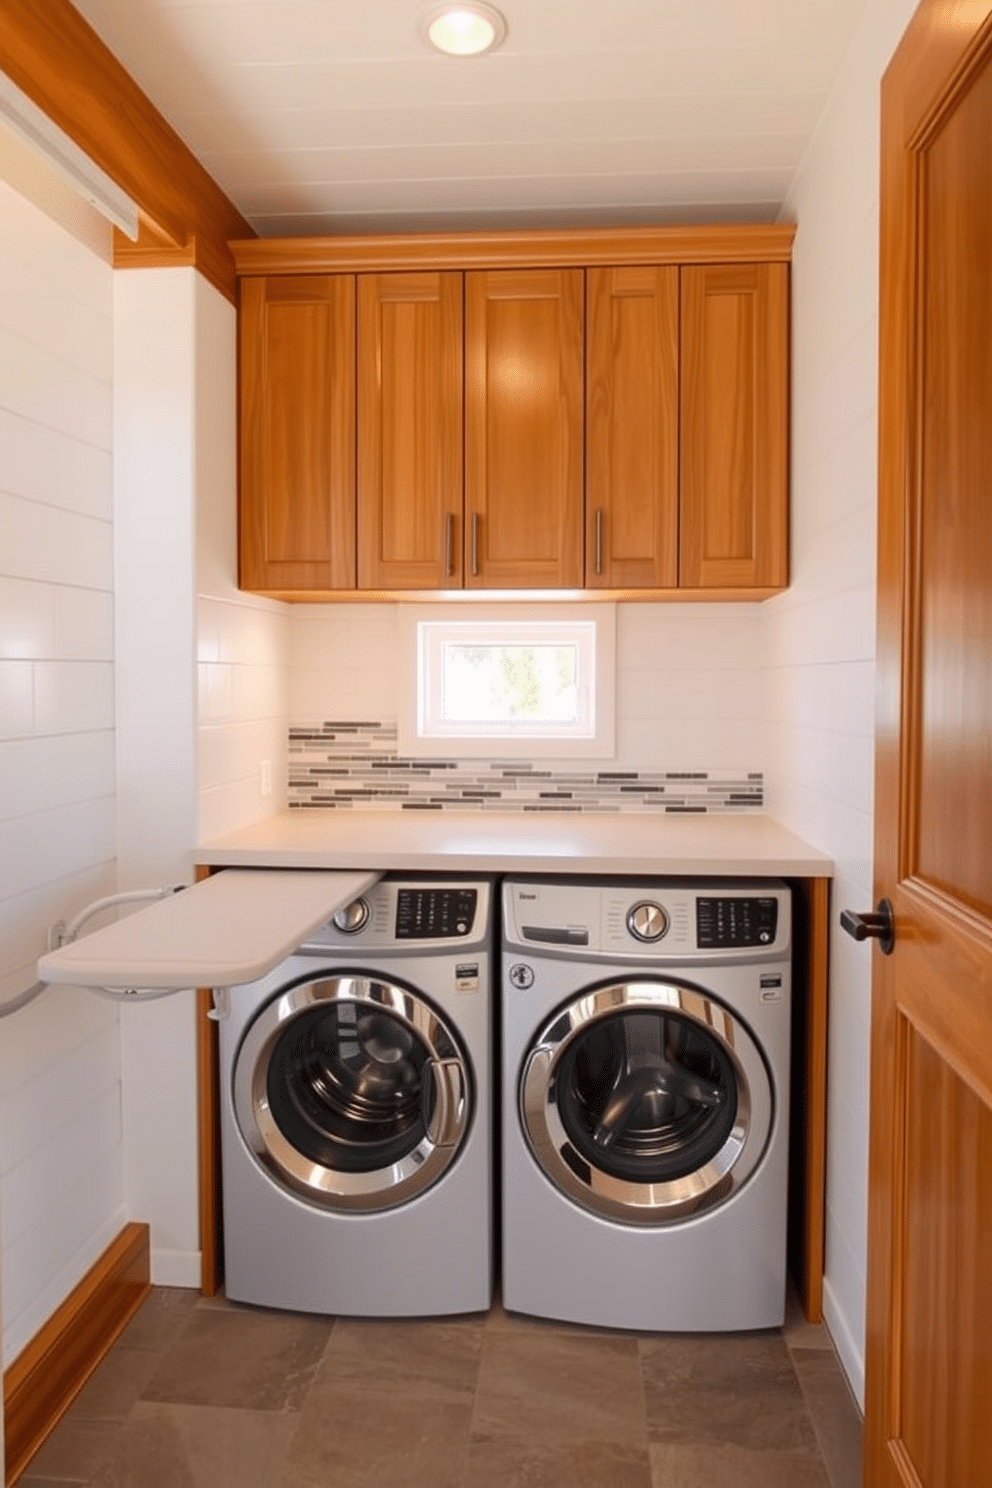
(410, 431)
(734, 445)
(632, 427)
(297, 478)
(523, 428)
(929, 1340)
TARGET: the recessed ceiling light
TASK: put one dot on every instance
(465, 30)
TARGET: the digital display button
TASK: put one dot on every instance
(728, 923)
(435, 914)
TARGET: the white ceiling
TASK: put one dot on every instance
(330, 116)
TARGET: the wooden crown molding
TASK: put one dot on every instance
(51, 53)
(572, 247)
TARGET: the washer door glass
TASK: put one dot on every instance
(646, 1101)
(352, 1092)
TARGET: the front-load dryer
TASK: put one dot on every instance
(646, 1053)
(356, 1127)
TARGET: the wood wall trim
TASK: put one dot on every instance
(549, 596)
(48, 1374)
(571, 248)
(814, 895)
(208, 1113)
(59, 61)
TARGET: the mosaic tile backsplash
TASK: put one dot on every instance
(354, 765)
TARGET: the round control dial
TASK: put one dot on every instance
(351, 917)
(647, 920)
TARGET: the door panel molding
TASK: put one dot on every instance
(928, 1377)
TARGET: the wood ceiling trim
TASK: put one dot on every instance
(709, 244)
(51, 53)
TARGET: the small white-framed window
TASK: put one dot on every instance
(513, 681)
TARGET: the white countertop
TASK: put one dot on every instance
(517, 842)
(235, 926)
(231, 928)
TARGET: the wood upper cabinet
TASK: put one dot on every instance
(632, 428)
(410, 525)
(598, 410)
(523, 428)
(734, 447)
(297, 432)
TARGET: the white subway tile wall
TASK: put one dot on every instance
(821, 633)
(60, 1110)
(243, 672)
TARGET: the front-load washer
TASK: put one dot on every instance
(356, 1126)
(646, 1052)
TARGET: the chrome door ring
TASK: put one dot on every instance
(324, 1186)
(602, 1192)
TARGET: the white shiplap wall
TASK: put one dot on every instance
(60, 1121)
(821, 633)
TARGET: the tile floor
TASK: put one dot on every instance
(200, 1393)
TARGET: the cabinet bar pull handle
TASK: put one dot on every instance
(599, 539)
(475, 543)
(449, 545)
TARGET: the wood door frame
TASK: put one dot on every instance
(944, 46)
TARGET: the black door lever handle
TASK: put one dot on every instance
(879, 925)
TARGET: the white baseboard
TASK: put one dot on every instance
(850, 1351)
(177, 1268)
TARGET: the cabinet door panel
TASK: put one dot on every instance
(409, 430)
(523, 429)
(734, 426)
(298, 432)
(632, 457)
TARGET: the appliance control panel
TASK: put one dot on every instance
(735, 922)
(659, 920)
(409, 914)
(435, 914)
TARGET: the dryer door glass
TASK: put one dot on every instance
(647, 1096)
(348, 1084)
(646, 1101)
(352, 1092)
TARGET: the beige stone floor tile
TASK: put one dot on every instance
(797, 1333)
(427, 1355)
(74, 1450)
(499, 1318)
(182, 1446)
(159, 1320)
(115, 1385)
(508, 1461)
(28, 1480)
(716, 1390)
(251, 1359)
(554, 1385)
(367, 1438)
(835, 1415)
(205, 1393)
(733, 1467)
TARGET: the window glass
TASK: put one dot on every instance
(528, 682)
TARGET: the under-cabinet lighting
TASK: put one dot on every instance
(465, 30)
(31, 124)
